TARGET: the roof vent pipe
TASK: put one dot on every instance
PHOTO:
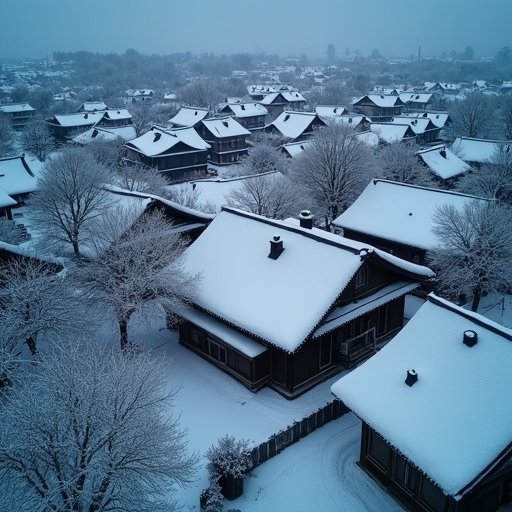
(276, 247)
(470, 338)
(306, 219)
(411, 378)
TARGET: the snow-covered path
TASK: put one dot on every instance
(317, 474)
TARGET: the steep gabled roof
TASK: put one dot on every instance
(92, 106)
(16, 107)
(399, 212)
(419, 125)
(104, 134)
(392, 132)
(329, 111)
(242, 110)
(380, 100)
(157, 141)
(480, 150)
(189, 116)
(286, 97)
(439, 119)
(443, 162)
(293, 124)
(454, 423)
(222, 127)
(16, 176)
(415, 97)
(281, 301)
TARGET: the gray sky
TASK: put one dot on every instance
(35, 28)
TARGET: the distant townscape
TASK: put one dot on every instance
(256, 283)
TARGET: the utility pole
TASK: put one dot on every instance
(419, 53)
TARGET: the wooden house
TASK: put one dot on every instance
(446, 166)
(188, 117)
(285, 305)
(294, 126)
(330, 111)
(294, 149)
(436, 426)
(19, 114)
(424, 129)
(179, 154)
(439, 119)
(356, 122)
(227, 139)
(92, 106)
(258, 92)
(379, 107)
(17, 181)
(278, 102)
(251, 116)
(416, 100)
(140, 95)
(115, 118)
(391, 133)
(397, 217)
(479, 152)
(67, 126)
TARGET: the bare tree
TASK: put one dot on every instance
(506, 114)
(475, 250)
(493, 180)
(108, 153)
(399, 162)
(37, 140)
(10, 232)
(272, 195)
(141, 178)
(472, 116)
(334, 170)
(36, 302)
(6, 137)
(91, 430)
(202, 93)
(265, 157)
(138, 267)
(70, 198)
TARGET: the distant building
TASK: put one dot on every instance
(278, 102)
(379, 107)
(188, 117)
(292, 126)
(19, 114)
(251, 116)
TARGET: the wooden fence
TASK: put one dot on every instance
(278, 442)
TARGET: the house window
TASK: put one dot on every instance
(362, 277)
(195, 336)
(406, 474)
(218, 352)
(382, 321)
(378, 449)
(325, 351)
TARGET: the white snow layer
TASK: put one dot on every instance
(453, 422)
(443, 162)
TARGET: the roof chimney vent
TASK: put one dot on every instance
(157, 136)
(443, 153)
(276, 247)
(470, 338)
(306, 219)
(411, 378)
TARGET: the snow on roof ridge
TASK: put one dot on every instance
(234, 178)
(30, 253)
(172, 204)
(486, 140)
(441, 191)
(477, 318)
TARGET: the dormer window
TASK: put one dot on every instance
(362, 277)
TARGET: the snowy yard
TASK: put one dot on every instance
(318, 473)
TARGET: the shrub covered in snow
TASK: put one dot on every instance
(211, 498)
(230, 458)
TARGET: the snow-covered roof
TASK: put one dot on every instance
(391, 132)
(439, 119)
(77, 119)
(443, 162)
(293, 124)
(111, 133)
(16, 107)
(350, 120)
(242, 110)
(399, 212)
(91, 106)
(368, 137)
(296, 148)
(453, 423)
(117, 114)
(381, 100)
(6, 199)
(280, 301)
(221, 127)
(419, 125)
(414, 97)
(215, 191)
(330, 110)
(16, 176)
(157, 141)
(479, 150)
(188, 116)
(170, 96)
(289, 97)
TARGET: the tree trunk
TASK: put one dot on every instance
(76, 249)
(477, 294)
(123, 332)
(31, 342)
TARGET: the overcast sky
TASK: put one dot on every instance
(36, 28)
